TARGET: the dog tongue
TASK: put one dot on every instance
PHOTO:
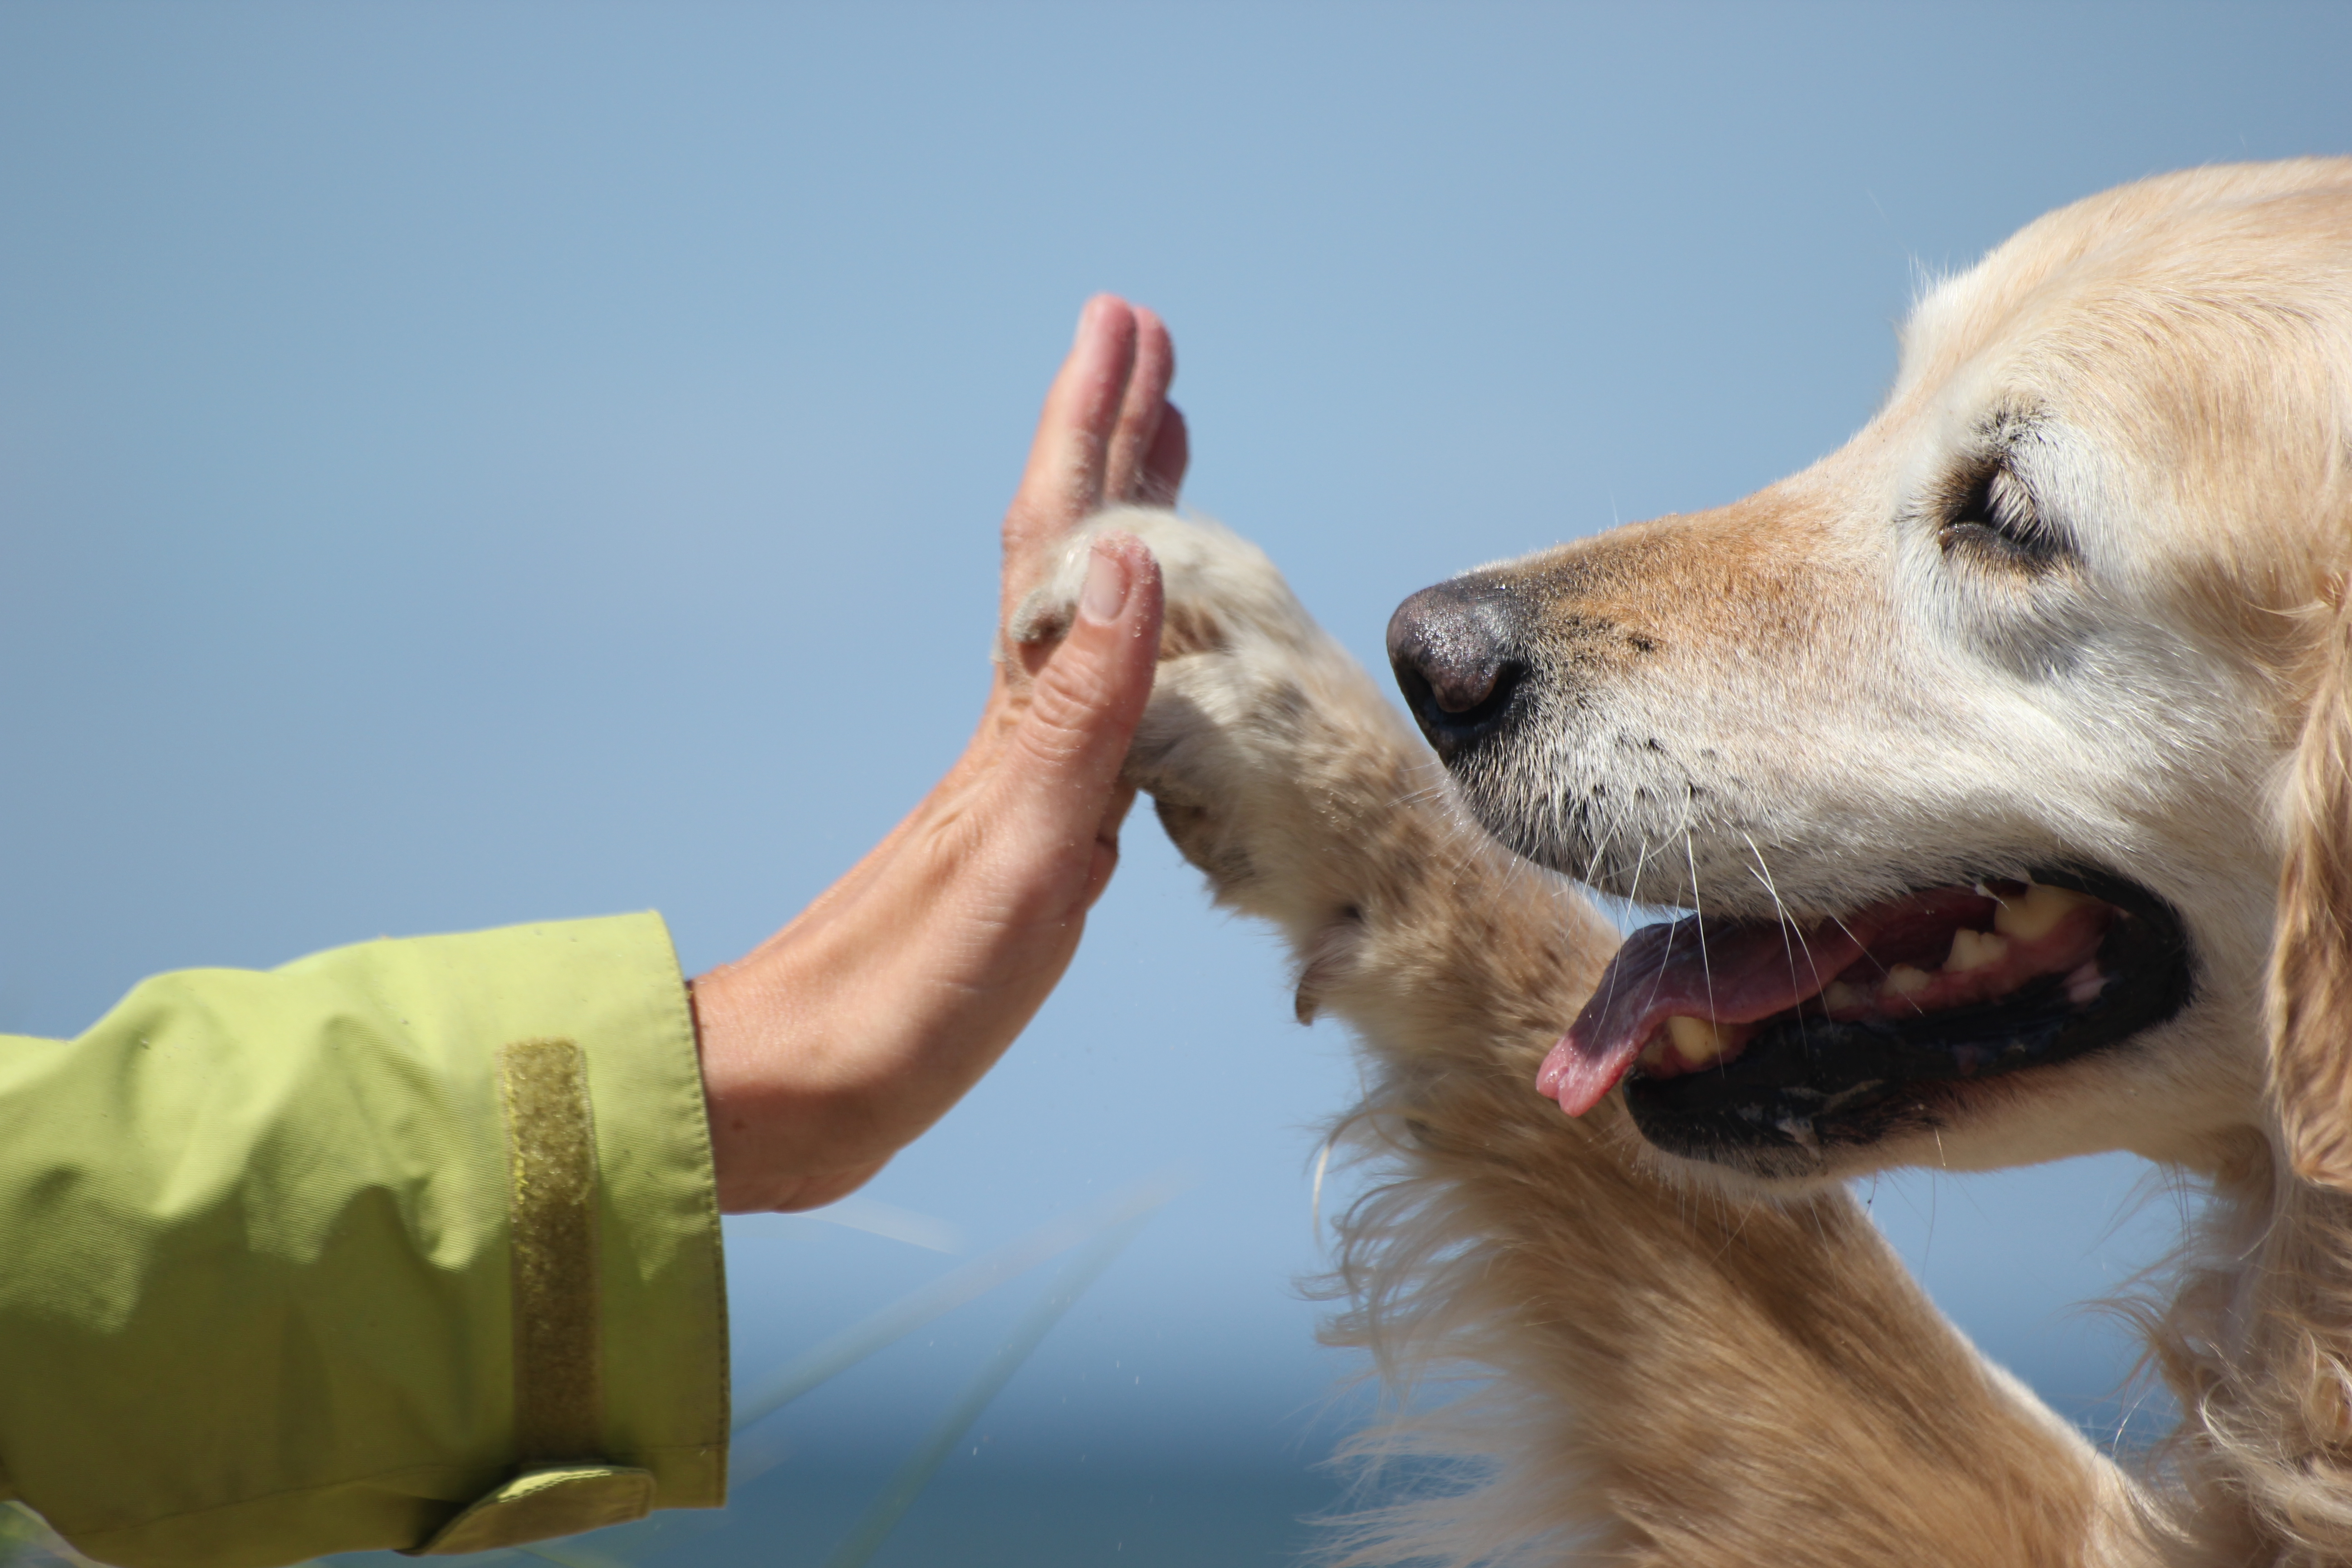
(1735, 974)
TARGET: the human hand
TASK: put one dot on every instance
(848, 1033)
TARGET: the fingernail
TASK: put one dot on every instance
(1107, 583)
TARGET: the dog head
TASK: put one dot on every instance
(1965, 747)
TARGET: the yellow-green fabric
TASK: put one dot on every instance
(557, 1499)
(255, 1262)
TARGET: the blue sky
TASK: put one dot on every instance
(472, 464)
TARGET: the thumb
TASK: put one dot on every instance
(1066, 751)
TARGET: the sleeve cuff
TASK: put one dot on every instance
(612, 988)
(260, 1304)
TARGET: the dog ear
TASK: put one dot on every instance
(2309, 1003)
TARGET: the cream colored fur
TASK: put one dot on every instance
(1666, 1362)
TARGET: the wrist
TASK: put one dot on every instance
(768, 1123)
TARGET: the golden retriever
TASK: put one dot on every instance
(2003, 761)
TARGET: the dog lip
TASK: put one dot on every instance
(1803, 1082)
(1938, 953)
(1736, 973)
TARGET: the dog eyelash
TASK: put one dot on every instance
(1996, 517)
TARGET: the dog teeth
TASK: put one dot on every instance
(1696, 1041)
(1906, 980)
(1838, 997)
(2037, 912)
(1975, 949)
(1654, 1054)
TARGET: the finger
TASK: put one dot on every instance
(1062, 763)
(1063, 480)
(1106, 850)
(1164, 468)
(1141, 409)
(1122, 801)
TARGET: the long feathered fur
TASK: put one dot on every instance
(1595, 1351)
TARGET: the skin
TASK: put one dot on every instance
(848, 1033)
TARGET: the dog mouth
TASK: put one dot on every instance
(1735, 1034)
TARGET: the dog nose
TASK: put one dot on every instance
(1456, 659)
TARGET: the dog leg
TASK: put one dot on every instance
(1661, 1372)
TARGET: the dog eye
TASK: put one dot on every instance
(1996, 517)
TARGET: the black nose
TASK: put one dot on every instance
(1457, 656)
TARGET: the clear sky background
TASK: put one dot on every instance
(471, 464)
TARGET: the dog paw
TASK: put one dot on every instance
(1219, 588)
(1232, 635)
(1259, 723)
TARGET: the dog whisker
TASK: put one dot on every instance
(1699, 924)
(1987, 641)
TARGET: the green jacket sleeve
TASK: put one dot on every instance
(311, 1260)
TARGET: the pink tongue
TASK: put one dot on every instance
(1741, 974)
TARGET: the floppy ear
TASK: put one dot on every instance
(2310, 1000)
